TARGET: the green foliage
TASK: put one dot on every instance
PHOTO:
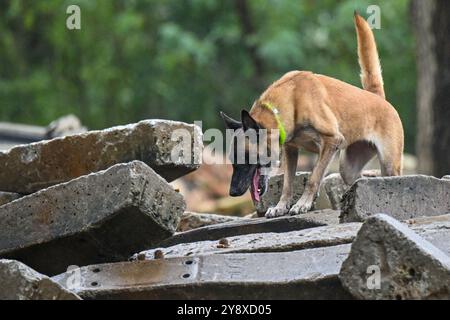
(184, 59)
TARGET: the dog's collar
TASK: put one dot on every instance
(280, 125)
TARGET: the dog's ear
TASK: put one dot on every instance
(230, 123)
(247, 121)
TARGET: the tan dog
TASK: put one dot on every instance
(324, 115)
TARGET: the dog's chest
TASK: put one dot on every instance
(306, 137)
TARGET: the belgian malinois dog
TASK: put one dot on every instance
(323, 115)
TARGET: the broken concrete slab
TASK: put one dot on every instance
(275, 187)
(390, 261)
(322, 202)
(193, 220)
(334, 187)
(262, 242)
(402, 197)
(256, 225)
(433, 229)
(324, 217)
(331, 191)
(29, 168)
(101, 217)
(6, 197)
(305, 274)
(19, 282)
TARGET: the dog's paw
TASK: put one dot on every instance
(277, 211)
(300, 207)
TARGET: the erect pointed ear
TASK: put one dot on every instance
(247, 121)
(230, 123)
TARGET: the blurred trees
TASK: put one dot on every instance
(185, 59)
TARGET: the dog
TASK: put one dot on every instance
(322, 115)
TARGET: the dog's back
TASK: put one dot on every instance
(362, 114)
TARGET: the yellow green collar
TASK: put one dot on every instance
(280, 125)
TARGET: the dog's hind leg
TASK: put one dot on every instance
(354, 158)
(391, 158)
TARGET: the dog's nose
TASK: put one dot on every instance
(235, 192)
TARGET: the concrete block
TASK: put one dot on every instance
(193, 220)
(261, 242)
(402, 198)
(256, 225)
(29, 168)
(19, 282)
(102, 217)
(334, 187)
(390, 261)
(275, 187)
(434, 229)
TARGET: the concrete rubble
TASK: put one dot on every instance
(389, 261)
(330, 194)
(263, 242)
(29, 168)
(80, 207)
(434, 229)
(275, 186)
(255, 225)
(402, 197)
(104, 216)
(193, 220)
(334, 187)
(19, 282)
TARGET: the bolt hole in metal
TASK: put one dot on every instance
(94, 284)
(96, 270)
(188, 262)
(186, 275)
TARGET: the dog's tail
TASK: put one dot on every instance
(369, 61)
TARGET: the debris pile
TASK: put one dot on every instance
(93, 216)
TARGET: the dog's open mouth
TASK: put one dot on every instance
(258, 186)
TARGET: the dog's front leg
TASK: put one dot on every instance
(329, 147)
(290, 154)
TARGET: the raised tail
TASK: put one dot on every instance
(369, 61)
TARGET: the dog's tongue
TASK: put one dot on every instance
(255, 184)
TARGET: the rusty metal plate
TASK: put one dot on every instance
(305, 274)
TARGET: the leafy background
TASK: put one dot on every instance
(185, 59)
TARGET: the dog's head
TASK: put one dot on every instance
(248, 169)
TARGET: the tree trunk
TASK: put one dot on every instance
(248, 30)
(431, 20)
